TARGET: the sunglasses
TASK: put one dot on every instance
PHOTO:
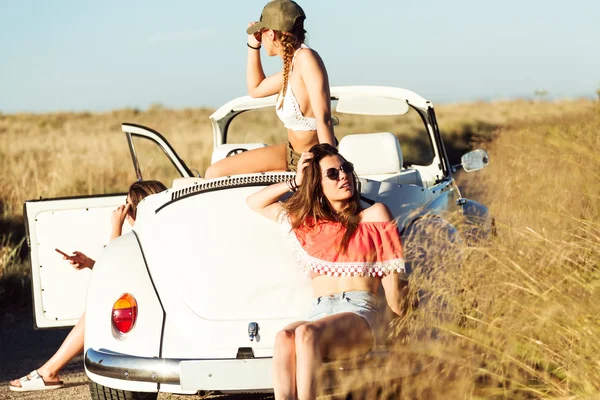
(334, 173)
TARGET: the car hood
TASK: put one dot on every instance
(212, 254)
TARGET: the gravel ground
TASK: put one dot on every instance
(23, 349)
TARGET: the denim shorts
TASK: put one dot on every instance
(362, 303)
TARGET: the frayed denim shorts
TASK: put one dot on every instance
(362, 303)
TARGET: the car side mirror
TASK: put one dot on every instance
(474, 160)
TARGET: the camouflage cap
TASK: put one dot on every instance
(278, 15)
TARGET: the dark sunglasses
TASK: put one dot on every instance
(334, 173)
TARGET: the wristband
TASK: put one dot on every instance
(252, 47)
(289, 183)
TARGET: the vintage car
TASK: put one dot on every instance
(191, 299)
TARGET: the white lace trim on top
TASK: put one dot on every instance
(290, 113)
(331, 268)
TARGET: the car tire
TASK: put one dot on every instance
(99, 392)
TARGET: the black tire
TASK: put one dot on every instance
(99, 392)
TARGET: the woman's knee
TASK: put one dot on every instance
(211, 172)
(284, 341)
(307, 335)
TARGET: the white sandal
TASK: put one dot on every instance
(35, 382)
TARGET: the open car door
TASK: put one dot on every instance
(83, 224)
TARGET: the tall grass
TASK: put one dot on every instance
(519, 317)
(15, 275)
(66, 154)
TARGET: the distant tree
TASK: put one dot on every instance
(156, 106)
(541, 94)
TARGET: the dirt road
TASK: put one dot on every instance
(23, 349)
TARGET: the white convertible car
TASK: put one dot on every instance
(191, 299)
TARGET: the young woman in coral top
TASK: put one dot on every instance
(348, 252)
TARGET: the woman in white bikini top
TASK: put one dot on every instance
(289, 111)
(304, 100)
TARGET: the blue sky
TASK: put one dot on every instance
(101, 55)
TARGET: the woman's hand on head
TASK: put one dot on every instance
(302, 164)
(251, 38)
(118, 216)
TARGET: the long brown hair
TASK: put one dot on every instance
(308, 205)
(141, 189)
(290, 41)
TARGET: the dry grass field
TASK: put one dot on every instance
(518, 319)
(521, 313)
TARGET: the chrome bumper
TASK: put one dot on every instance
(229, 374)
(133, 368)
(190, 374)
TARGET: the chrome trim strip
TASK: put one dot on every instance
(229, 182)
(232, 182)
(133, 368)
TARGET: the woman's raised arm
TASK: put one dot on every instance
(265, 201)
(258, 85)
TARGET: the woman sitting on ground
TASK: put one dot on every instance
(304, 100)
(347, 251)
(46, 377)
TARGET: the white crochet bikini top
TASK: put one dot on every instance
(290, 113)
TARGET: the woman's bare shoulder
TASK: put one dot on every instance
(378, 212)
(308, 56)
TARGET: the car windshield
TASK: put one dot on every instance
(263, 126)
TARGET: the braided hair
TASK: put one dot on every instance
(290, 42)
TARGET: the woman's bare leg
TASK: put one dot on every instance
(271, 158)
(284, 363)
(70, 347)
(337, 336)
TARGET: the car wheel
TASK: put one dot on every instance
(99, 392)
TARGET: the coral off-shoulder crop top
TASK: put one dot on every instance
(374, 250)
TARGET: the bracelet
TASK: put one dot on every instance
(291, 184)
(252, 47)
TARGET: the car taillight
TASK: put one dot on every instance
(124, 313)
